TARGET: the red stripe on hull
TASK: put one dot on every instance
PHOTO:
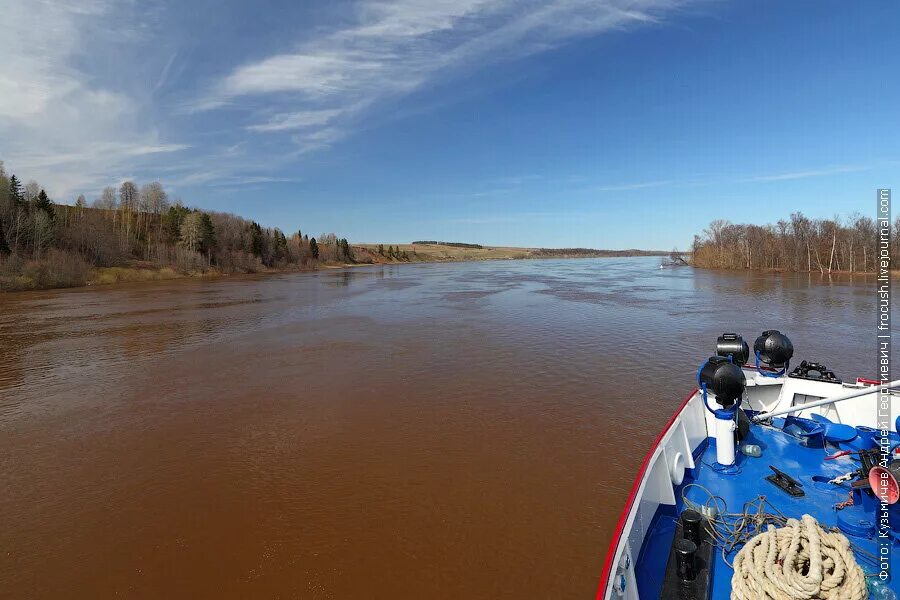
(620, 526)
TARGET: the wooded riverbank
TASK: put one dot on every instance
(57, 271)
(136, 233)
(848, 245)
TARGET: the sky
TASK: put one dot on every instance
(554, 123)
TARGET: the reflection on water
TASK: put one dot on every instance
(441, 431)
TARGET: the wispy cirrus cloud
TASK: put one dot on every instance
(722, 180)
(80, 108)
(392, 49)
(296, 120)
(624, 187)
(820, 172)
(58, 122)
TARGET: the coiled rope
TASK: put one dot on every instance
(799, 561)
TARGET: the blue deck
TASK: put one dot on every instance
(780, 450)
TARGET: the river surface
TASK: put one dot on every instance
(465, 430)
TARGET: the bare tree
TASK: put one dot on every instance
(192, 231)
(832, 245)
(128, 196)
(107, 199)
(32, 189)
(42, 232)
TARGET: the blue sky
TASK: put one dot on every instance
(607, 123)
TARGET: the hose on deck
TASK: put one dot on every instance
(797, 562)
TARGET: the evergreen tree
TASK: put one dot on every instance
(4, 247)
(381, 249)
(314, 248)
(280, 247)
(42, 202)
(256, 239)
(390, 252)
(348, 254)
(15, 190)
(172, 220)
(207, 234)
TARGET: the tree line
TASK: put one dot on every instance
(452, 244)
(394, 253)
(798, 244)
(45, 244)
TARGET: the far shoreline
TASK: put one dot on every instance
(137, 272)
(108, 277)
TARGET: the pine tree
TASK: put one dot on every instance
(15, 190)
(207, 234)
(4, 247)
(172, 220)
(256, 239)
(381, 249)
(345, 247)
(390, 252)
(42, 202)
(314, 248)
(280, 247)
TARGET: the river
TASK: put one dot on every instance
(465, 430)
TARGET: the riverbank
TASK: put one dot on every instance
(37, 277)
(63, 272)
(781, 271)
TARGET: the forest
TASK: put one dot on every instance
(799, 244)
(137, 232)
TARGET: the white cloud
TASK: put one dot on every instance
(395, 48)
(833, 170)
(296, 120)
(79, 81)
(252, 180)
(623, 187)
(57, 123)
(725, 180)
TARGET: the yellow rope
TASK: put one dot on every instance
(799, 561)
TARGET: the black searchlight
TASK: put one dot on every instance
(733, 345)
(722, 378)
(774, 349)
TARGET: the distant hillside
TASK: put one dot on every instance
(590, 252)
(452, 244)
(430, 251)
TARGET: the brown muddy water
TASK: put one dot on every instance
(417, 431)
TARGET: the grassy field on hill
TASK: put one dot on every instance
(455, 251)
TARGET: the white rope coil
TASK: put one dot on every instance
(799, 561)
